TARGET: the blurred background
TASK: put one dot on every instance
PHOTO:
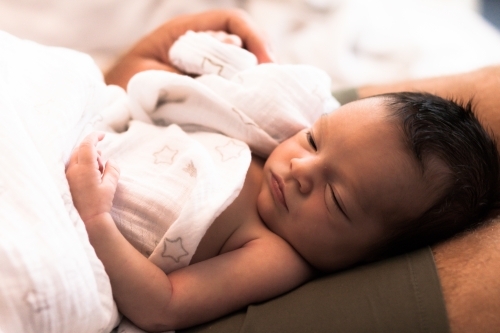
(355, 41)
(490, 9)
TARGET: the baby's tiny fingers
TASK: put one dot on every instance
(87, 152)
(73, 159)
(100, 165)
(111, 174)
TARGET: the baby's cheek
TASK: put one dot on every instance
(264, 207)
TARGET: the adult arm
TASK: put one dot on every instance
(152, 51)
(482, 85)
(468, 265)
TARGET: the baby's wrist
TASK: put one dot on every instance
(100, 225)
(96, 218)
(106, 240)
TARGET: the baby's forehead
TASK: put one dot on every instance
(366, 106)
(371, 112)
(384, 164)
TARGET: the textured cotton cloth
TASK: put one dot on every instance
(187, 149)
(52, 280)
(185, 154)
(172, 186)
(261, 105)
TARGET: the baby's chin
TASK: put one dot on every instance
(265, 213)
(261, 210)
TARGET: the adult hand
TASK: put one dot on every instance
(152, 51)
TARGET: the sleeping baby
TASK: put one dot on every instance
(372, 178)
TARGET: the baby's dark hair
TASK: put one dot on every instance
(434, 127)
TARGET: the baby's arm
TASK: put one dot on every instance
(263, 267)
(92, 186)
(137, 284)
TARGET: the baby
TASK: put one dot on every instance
(376, 177)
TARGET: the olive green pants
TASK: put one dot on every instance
(400, 294)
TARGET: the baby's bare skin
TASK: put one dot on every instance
(245, 263)
(471, 307)
(307, 207)
(239, 223)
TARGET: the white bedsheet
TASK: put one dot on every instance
(50, 280)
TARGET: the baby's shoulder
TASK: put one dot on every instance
(240, 225)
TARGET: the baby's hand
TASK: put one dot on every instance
(91, 184)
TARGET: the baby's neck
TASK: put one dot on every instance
(239, 223)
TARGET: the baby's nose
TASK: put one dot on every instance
(301, 172)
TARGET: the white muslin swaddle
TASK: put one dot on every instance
(261, 105)
(186, 152)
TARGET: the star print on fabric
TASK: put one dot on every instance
(209, 66)
(230, 150)
(246, 122)
(190, 169)
(173, 249)
(164, 97)
(165, 155)
(36, 301)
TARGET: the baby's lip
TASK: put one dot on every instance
(278, 187)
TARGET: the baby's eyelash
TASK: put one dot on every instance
(336, 202)
(310, 140)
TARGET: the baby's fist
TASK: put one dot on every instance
(91, 183)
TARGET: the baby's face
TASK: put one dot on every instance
(329, 190)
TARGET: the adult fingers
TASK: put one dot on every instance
(254, 40)
(233, 21)
(237, 22)
(150, 57)
(151, 52)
